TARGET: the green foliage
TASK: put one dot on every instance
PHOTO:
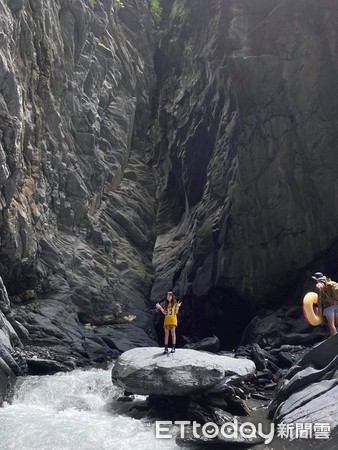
(156, 10)
(119, 3)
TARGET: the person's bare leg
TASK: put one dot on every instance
(166, 338)
(331, 325)
(173, 335)
(336, 321)
(173, 338)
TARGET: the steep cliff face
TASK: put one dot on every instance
(247, 136)
(77, 196)
(205, 162)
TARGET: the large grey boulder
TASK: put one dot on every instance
(149, 371)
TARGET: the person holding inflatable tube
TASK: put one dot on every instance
(327, 300)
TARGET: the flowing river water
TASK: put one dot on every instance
(80, 410)
(74, 410)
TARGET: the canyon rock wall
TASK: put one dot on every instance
(77, 196)
(197, 154)
(10, 330)
(245, 150)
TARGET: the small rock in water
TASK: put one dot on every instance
(38, 366)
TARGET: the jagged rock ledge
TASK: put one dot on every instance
(10, 330)
(308, 392)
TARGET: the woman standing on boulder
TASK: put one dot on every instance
(170, 310)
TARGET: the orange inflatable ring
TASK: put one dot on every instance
(310, 299)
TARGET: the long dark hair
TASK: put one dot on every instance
(174, 301)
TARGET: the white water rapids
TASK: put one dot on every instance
(74, 410)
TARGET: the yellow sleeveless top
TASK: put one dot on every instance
(171, 315)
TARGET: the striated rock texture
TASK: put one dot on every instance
(199, 157)
(308, 392)
(10, 330)
(77, 196)
(245, 152)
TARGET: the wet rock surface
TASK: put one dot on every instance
(9, 340)
(219, 441)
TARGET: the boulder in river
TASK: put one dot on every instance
(148, 371)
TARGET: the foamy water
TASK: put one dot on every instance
(74, 410)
